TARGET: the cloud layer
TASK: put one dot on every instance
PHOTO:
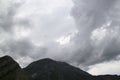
(32, 33)
(98, 37)
(80, 32)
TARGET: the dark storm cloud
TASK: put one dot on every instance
(111, 50)
(91, 15)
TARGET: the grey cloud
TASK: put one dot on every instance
(38, 52)
(17, 48)
(7, 17)
(23, 48)
(112, 50)
(89, 16)
(23, 22)
(10, 45)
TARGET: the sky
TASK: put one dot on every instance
(83, 33)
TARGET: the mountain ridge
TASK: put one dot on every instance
(48, 69)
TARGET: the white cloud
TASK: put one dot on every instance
(63, 40)
(112, 67)
(20, 33)
(50, 19)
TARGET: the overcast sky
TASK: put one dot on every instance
(84, 33)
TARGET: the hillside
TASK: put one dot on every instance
(10, 70)
(48, 69)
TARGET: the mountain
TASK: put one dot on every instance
(48, 69)
(10, 70)
(107, 77)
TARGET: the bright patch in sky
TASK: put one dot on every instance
(112, 67)
(63, 40)
(98, 34)
(21, 33)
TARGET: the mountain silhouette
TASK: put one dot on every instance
(46, 69)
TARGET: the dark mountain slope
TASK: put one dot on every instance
(10, 70)
(47, 69)
(107, 77)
